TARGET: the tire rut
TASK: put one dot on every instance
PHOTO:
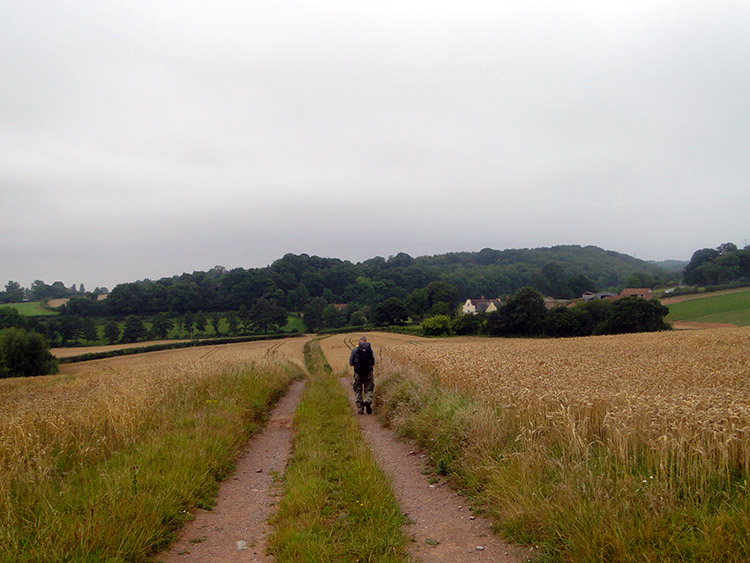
(440, 522)
(236, 529)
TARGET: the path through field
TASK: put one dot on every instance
(441, 523)
(237, 527)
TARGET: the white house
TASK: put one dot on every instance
(474, 306)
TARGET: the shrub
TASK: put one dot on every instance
(24, 354)
(439, 325)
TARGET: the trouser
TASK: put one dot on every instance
(364, 384)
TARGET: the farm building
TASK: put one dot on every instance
(642, 292)
(482, 305)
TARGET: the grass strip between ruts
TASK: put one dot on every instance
(337, 504)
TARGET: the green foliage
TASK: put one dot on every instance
(332, 317)
(391, 312)
(358, 319)
(294, 281)
(134, 330)
(465, 325)
(112, 332)
(24, 354)
(10, 317)
(526, 315)
(522, 315)
(439, 325)
(13, 293)
(161, 324)
(266, 315)
(633, 314)
(721, 265)
(312, 314)
(88, 330)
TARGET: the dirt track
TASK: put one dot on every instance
(441, 524)
(236, 529)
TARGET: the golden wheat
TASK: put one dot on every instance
(50, 424)
(681, 396)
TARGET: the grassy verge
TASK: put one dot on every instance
(337, 506)
(105, 468)
(572, 500)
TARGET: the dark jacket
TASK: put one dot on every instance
(362, 358)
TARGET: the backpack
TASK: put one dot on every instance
(362, 359)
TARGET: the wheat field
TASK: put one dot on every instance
(680, 395)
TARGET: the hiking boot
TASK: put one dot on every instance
(368, 407)
(359, 411)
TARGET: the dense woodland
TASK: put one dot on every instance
(329, 293)
(294, 280)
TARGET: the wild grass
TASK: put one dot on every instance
(337, 505)
(627, 448)
(106, 466)
(733, 308)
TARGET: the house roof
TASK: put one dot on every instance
(635, 291)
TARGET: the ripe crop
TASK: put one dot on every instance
(680, 398)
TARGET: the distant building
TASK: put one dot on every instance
(588, 296)
(642, 292)
(482, 305)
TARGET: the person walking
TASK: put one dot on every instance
(362, 360)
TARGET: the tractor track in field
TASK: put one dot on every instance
(235, 530)
(441, 524)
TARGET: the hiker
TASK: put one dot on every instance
(362, 359)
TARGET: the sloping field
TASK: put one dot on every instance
(336, 348)
(77, 351)
(31, 309)
(288, 349)
(731, 307)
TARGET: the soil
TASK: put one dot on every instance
(237, 527)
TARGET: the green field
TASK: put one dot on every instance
(733, 308)
(30, 309)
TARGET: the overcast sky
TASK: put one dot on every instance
(144, 139)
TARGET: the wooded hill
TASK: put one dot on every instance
(294, 280)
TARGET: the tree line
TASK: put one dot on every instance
(725, 264)
(525, 315)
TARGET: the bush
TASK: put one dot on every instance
(634, 314)
(439, 325)
(24, 354)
